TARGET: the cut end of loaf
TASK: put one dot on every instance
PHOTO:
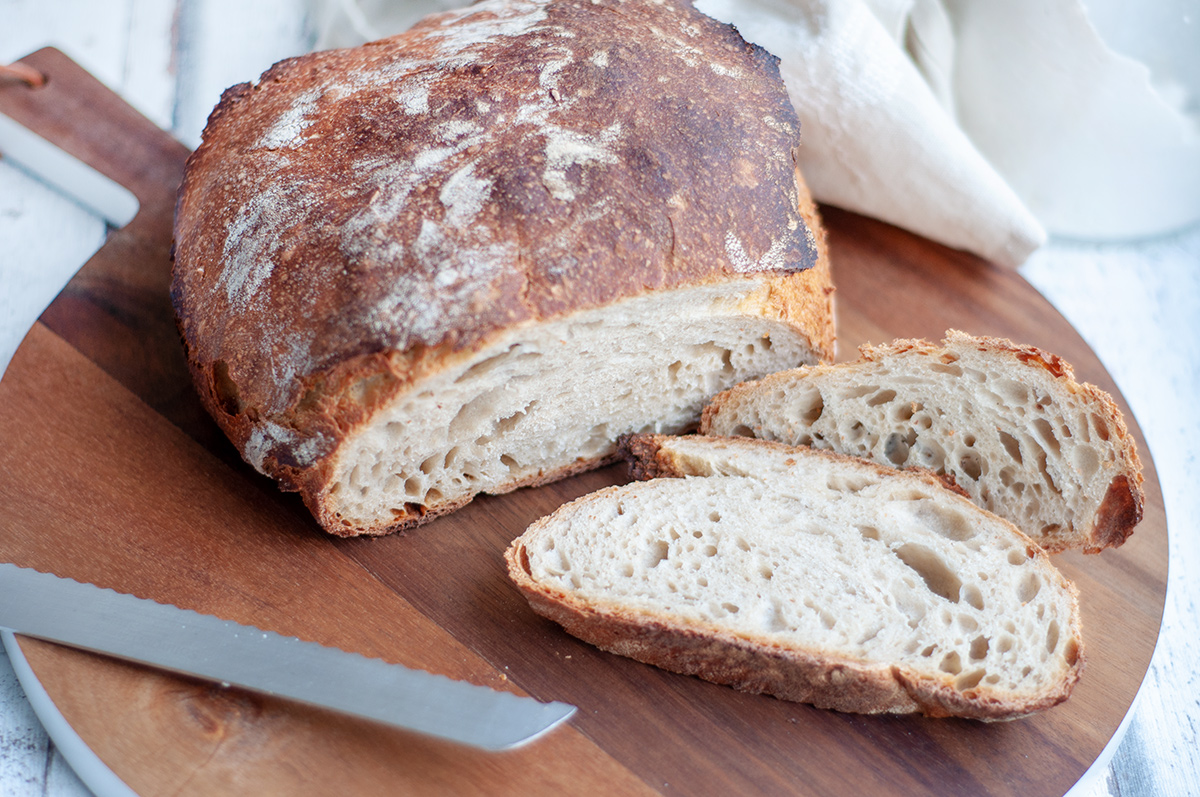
(810, 576)
(549, 400)
(1006, 423)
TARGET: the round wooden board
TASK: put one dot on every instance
(119, 481)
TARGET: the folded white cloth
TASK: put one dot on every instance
(875, 139)
(973, 123)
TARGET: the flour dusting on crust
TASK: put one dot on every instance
(508, 162)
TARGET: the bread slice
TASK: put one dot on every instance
(810, 576)
(1009, 424)
(467, 258)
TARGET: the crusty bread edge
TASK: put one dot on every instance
(800, 301)
(760, 666)
(1121, 509)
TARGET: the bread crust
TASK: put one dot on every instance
(361, 219)
(758, 665)
(1122, 506)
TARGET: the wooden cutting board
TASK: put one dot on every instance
(111, 473)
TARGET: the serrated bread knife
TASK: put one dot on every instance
(179, 640)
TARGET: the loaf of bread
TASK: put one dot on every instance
(811, 576)
(1009, 424)
(467, 258)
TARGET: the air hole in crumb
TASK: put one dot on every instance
(714, 516)
(882, 397)
(973, 596)
(742, 430)
(846, 484)
(816, 406)
(1011, 446)
(1046, 432)
(506, 425)
(951, 663)
(1029, 587)
(979, 648)
(946, 368)
(895, 449)
(938, 577)
(1100, 426)
(1016, 556)
(1071, 651)
(971, 465)
(657, 554)
(969, 680)
(945, 521)
(509, 462)
(928, 652)
(1005, 644)
(868, 532)
(731, 608)
(709, 550)
(858, 391)
(726, 361)
(1052, 636)
(741, 543)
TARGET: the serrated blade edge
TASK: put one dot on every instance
(82, 615)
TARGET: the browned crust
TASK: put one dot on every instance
(1122, 506)
(703, 146)
(414, 515)
(820, 678)
(650, 456)
(1119, 513)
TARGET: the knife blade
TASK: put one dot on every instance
(81, 615)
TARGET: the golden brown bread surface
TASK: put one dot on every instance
(811, 576)
(361, 220)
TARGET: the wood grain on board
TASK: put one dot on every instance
(111, 473)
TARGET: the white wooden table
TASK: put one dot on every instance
(1136, 303)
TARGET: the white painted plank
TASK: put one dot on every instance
(225, 42)
(1138, 307)
(24, 748)
(148, 73)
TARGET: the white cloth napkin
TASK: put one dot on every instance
(973, 123)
